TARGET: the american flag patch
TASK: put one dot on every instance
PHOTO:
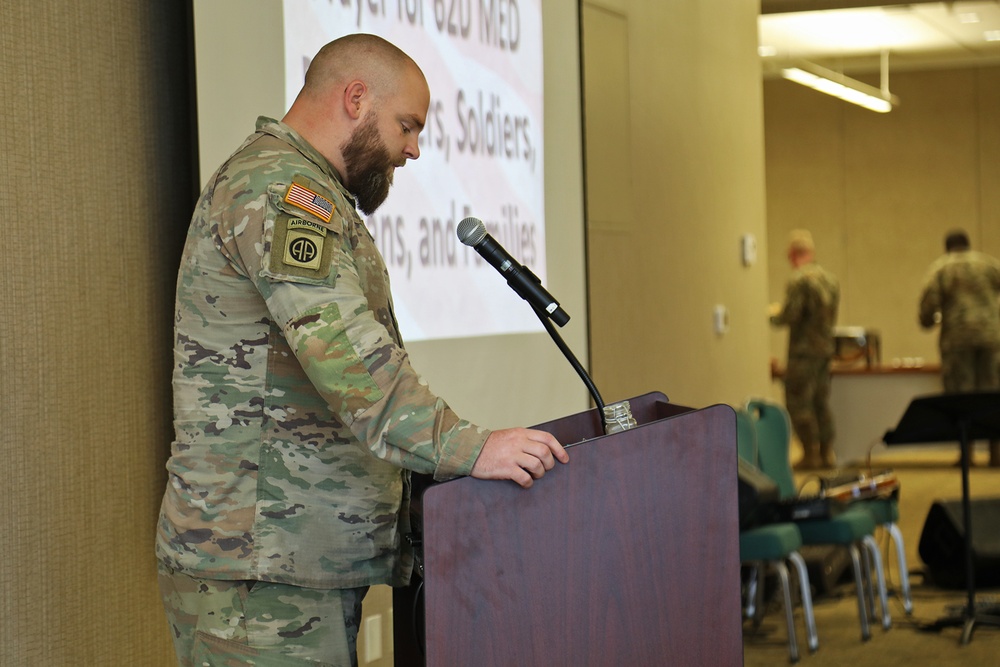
(308, 200)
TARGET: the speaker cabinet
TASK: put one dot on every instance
(942, 543)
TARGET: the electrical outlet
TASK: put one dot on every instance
(373, 638)
(720, 319)
(748, 246)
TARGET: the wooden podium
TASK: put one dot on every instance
(627, 555)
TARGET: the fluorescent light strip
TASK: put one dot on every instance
(840, 86)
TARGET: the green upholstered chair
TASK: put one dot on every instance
(853, 529)
(746, 436)
(886, 514)
(885, 511)
(772, 546)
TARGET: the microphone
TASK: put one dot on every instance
(472, 232)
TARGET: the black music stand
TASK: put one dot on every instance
(963, 417)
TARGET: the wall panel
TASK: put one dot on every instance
(693, 185)
(94, 157)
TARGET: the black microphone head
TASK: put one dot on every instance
(471, 231)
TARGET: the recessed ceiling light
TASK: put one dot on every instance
(992, 35)
(766, 51)
(968, 17)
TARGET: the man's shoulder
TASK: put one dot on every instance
(825, 274)
(268, 164)
(967, 262)
(266, 159)
(814, 274)
(989, 262)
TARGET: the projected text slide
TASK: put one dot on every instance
(481, 152)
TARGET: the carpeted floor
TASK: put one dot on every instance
(926, 474)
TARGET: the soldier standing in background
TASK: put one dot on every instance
(297, 414)
(810, 312)
(962, 293)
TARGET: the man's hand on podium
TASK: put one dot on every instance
(519, 454)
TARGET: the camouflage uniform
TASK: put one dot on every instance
(964, 287)
(810, 312)
(236, 623)
(296, 411)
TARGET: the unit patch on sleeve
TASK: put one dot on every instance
(300, 248)
(301, 196)
(304, 243)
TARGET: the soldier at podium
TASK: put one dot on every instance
(297, 414)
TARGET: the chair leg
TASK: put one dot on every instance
(872, 545)
(806, 594)
(866, 569)
(904, 574)
(859, 582)
(793, 646)
(755, 593)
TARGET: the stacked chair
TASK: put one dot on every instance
(853, 528)
(885, 511)
(771, 546)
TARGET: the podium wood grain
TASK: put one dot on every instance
(628, 555)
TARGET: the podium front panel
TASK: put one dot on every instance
(627, 555)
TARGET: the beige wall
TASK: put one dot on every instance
(94, 161)
(879, 191)
(675, 159)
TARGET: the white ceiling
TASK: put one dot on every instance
(918, 35)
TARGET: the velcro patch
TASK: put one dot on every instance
(299, 223)
(300, 248)
(302, 197)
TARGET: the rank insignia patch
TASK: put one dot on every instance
(302, 197)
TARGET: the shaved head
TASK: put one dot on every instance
(363, 106)
(800, 240)
(363, 57)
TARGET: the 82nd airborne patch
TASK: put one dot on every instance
(300, 248)
(304, 243)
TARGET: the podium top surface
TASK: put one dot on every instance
(944, 417)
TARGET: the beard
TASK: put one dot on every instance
(369, 166)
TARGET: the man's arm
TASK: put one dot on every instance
(365, 377)
(930, 302)
(792, 308)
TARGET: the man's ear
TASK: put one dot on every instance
(354, 96)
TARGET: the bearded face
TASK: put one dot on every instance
(368, 164)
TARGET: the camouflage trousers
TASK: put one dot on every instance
(807, 397)
(972, 369)
(229, 623)
(969, 369)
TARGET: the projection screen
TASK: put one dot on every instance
(490, 128)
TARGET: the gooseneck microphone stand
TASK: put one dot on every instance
(574, 362)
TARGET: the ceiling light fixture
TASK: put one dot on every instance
(843, 87)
